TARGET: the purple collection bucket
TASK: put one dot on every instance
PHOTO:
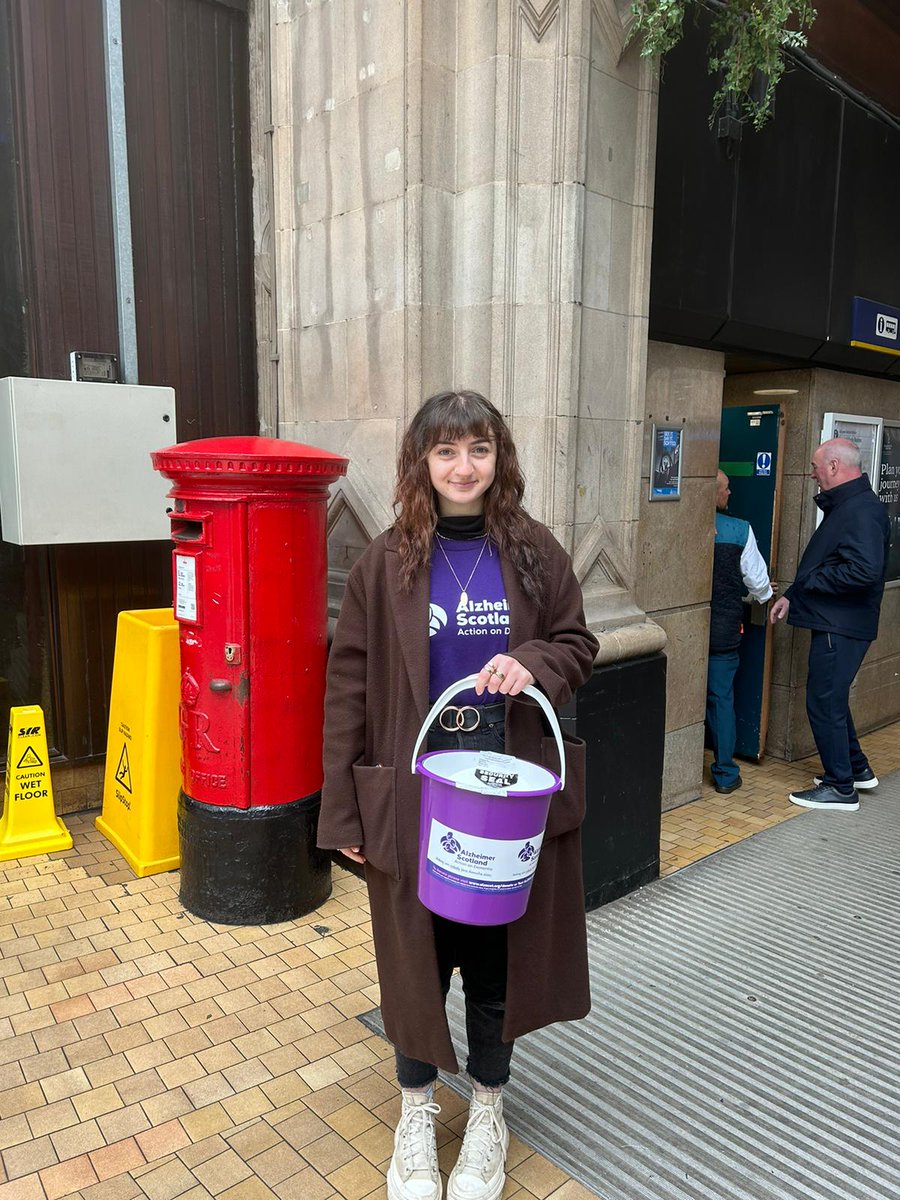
(481, 825)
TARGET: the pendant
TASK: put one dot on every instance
(463, 601)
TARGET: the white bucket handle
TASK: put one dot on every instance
(460, 686)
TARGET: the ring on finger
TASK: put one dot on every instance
(500, 675)
(490, 668)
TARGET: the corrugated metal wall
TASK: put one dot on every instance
(187, 104)
(187, 113)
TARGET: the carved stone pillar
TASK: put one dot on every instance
(462, 197)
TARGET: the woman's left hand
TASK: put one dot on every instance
(504, 675)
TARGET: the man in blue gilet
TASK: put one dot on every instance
(738, 568)
(836, 595)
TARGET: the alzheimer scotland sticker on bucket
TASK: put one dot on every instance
(488, 865)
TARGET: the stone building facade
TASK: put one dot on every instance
(460, 193)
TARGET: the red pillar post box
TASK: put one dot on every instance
(250, 578)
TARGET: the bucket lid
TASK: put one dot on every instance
(489, 773)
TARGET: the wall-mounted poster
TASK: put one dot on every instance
(864, 432)
(666, 448)
(889, 492)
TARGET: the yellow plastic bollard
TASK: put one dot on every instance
(29, 824)
(143, 750)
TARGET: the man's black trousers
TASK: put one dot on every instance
(833, 663)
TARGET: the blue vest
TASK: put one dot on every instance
(725, 609)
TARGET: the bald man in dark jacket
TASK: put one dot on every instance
(837, 596)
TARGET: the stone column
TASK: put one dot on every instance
(462, 197)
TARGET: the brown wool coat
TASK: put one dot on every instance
(377, 699)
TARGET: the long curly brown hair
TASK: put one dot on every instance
(449, 417)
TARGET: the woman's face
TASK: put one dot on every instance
(461, 472)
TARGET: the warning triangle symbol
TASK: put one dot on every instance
(123, 770)
(29, 759)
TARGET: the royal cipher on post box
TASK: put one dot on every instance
(250, 579)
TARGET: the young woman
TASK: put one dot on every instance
(464, 583)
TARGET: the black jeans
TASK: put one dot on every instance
(478, 950)
(833, 663)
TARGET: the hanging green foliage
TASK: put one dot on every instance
(749, 40)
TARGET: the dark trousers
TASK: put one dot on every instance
(479, 952)
(720, 719)
(833, 663)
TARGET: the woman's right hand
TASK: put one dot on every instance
(354, 853)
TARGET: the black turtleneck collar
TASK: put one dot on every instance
(461, 528)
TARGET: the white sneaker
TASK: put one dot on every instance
(480, 1170)
(865, 783)
(413, 1173)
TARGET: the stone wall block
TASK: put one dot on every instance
(779, 736)
(539, 119)
(433, 26)
(599, 250)
(283, 175)
(876, 707)
(619, 443)
(363, 151)
(480, 217)
(607, 37)
(888, 641)
(687, 630)
(612, 137)
(605, 365)
(374, 42)
(782, 654)
(370, 446)
(482, 30)
(320, 352)
(438, 98)
(437, 234)
(437, 349)
(480, 91)
(587, 472)
(676, 544)
(477, 336)
(533, 325)
(286, 267)
(289, 380)
(375, 365)
(794, 489)
(567, 244)
(682, 766)
(283, 45)
(319, 59)
(626, 293)
(534, 224)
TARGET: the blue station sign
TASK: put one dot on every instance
(875, 326)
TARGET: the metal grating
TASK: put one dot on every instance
(743, 1043)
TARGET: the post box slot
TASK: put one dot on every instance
(185, 530)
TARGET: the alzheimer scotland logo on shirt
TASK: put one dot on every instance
(474, 613)
(437, 619)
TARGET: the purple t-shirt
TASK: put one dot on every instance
(464, 637)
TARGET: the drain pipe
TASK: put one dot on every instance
(121, 200)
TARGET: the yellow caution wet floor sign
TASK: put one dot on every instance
(29, 824)
(143, 751)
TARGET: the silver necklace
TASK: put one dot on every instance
(463, 591)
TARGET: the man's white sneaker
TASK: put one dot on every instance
(480, 1170)
(864, 783)
(413, 1173)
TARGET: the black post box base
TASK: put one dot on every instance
(251, 866)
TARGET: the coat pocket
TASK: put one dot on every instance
(567, 807)
(376, 795)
